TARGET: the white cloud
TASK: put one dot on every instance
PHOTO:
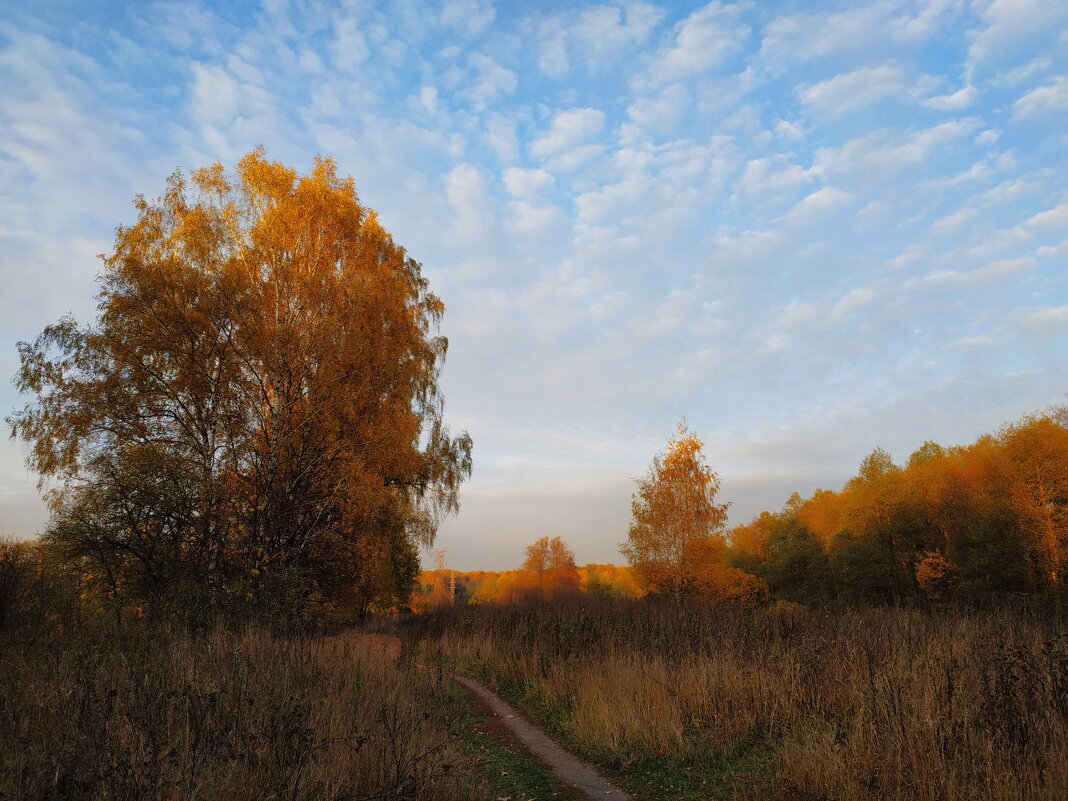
(817, 205)
(1052, 219)
(524, 183)
(1014, 188)
(854, 300)
(529, 218)
(349, 46)
(952, 223)
(911, 255)
(1019, 74)
(598, 37)
(853, 90)
(1052, 251)
(489, 79)
(1012, 25)
(788, 130)
(931, 15)
(768, 177)
(469, 17)
(569, 130)
(553, 58)
(887, 150)
(991, 273)
(465, 189)
(216, 95)
(661, 112)
(962, 98)
(794, 39)
(502, 139)
(705, 39)
(1053, 97)
(1043, 320)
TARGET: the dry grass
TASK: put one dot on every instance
(877, 704)
(222, 716)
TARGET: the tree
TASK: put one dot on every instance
(264, 340)
(676, 521)
(553, 565)
(1037, 447)
(797, 568)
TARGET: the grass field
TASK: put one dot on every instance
(226, 715)
(782, 703)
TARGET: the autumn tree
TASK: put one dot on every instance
(255, 411)
(553, 565)
(677, 527)
(1037, 447)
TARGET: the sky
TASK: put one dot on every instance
(810, 229)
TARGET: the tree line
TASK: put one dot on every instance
(984, 522)
(981, 522)
(978, 522)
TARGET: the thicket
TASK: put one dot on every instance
(785, 702)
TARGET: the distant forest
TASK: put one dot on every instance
(974, 523)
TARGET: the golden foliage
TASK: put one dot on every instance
(677, 527)
(263, 374)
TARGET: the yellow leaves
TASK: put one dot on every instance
(212, 179)
(674, 511)
(267, 334)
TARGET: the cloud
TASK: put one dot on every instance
(469, 17)
(1051, 98)
(788, 130)
(1053, 219)
(1052, 251)
(501, 137)
(705, 39)
(887, 150)
(1019, 74)
(804, 37)
(566, 141)
(661, 112)
(952, 223)
(956, 101)
(598, 37)
(1043, 320)
(488, 80)
(1010, 26)
(991, 273)
(813, 208)
(349, 46)
(1014, 188)
(524, 183)
(529, 218)
(465, 189)
(770, 178)
(931, 15)
(854, 90)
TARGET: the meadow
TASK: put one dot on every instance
(784, 702)
(239, 715)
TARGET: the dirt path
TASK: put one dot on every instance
(564, 767)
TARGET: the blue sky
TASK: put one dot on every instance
(810, 229)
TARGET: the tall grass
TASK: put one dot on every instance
(247, 715)
(869, 704)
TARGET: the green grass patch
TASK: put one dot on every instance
(744, 770)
